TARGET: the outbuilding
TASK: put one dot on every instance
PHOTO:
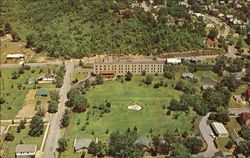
(82, 145)
(219, 129)
(26, 150)
(173, 61)
(42, 92)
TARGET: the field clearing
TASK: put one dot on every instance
(208, 74)
(120, 118)
(233, 125)
(80, 76)
(14, 91)
(9, 147)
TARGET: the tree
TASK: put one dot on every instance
(239, 44)
(213, 34)
(97, 149)
(99, 79)
(193, 144)
(8, 28)
(230, 82)
(73, 93)
(128, 76)
(247, 77)
(80, 103)
(15, 37)
(62, 144)
(15, 75)
(36, 126)
(9, 137)
(81, 63)
(40, 111)
(53, 107)
(123, 145)
(220, 65)
(30, 41)
(168, 74)
(245, 133)
(229, 144)
(179, 151)
(243, 148)
(149, 79)
(87, 83)
(65, 119)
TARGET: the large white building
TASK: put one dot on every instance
(220, 129)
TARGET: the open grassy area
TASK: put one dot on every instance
(120, 95)
(80, 76)
(231, 126)
(9, 147)
(209, 74)
(221, 142)
(14, 96)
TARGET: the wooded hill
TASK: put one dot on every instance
(78, 28)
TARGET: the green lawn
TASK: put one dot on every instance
(221, 142)
(80, 76)
(10, 147)
(120, 95)
(14, 97)
(210, 74)
(231, 125)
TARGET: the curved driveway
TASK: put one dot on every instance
(205, 132)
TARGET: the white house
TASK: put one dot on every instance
(173, 61)
(15, 56)
(219, 129)
(26, 150)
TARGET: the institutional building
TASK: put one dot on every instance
(120, 68)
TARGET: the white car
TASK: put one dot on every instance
(212, 135)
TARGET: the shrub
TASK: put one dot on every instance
(9, 137)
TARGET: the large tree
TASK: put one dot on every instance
(80, 103)
(193, 144)
(128, 76)
(213, 34)
(62, 144)
(36, 126)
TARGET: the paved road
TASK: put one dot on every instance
(54, 131)
(238, 111)
(205, 132)
(3, 66)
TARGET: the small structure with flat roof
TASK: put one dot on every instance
(82, 145)
(173, 61)
(26, 150)
(15, 56)
(108, 74)
(187, 76)
(42, 92)
(206, 87)
(220, 129)
(143, 142)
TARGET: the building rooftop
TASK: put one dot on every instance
(82, 143)
(26, 148)
(133, 62)
(187, 75)
(42, 92)
(142, 141)
(220, 127)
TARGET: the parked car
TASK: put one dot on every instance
(212, 135)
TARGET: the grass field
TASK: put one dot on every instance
(14, 97)
(9, 147)
(80, 76)
(120, 95)
(233, 125)
(210, 74)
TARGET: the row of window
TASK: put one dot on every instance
(114, 66)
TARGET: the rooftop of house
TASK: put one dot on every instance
(82, 143)
(248, 91)
(31, 148)
(212, 42)
(142, 141)
(187, 75)
(42, 92)
(245, 116)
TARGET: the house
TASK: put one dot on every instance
(173, 61)
(221, 15)
(228, 16)
(181, 21)
(244, 119)
(210, 25)
(171, 21)
(143, 142)
(212, 44)
(82, 146)
(187, 76)
(15, 56)
(108, 74)
(42, 92)
(206, 87)
(238, 75)
(222, 2)
(26, 150)
(47, 78)
(122, 11)
(32, 80)
(219, 129)
(198, 60)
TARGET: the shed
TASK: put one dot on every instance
(42, 92)
(220, 129)
(143, 141)
(205, 87)
(187, 76)
(82, 145)
(15, 56)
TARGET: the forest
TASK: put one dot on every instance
(80, 28)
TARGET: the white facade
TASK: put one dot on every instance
(173, 61)
(14, 56)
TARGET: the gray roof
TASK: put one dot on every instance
(205, 87)
(187, 75)
(142, 141)
(82, 143)
(238, 140)
(26, 148)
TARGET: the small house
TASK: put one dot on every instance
(244, 119)
(212, 44)
(219, 154)
(42, 92)
(187, 76)
(238, 99)
(143, 142)
(171, 21)
(206, 87)
(247, 94)
(219, 129)
(47, 78)
(82, 146)
(181, 21)
(122, 11)
(26, 150)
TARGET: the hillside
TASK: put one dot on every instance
(78, 28)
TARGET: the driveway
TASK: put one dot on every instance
(205, 130)
(54, 131)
